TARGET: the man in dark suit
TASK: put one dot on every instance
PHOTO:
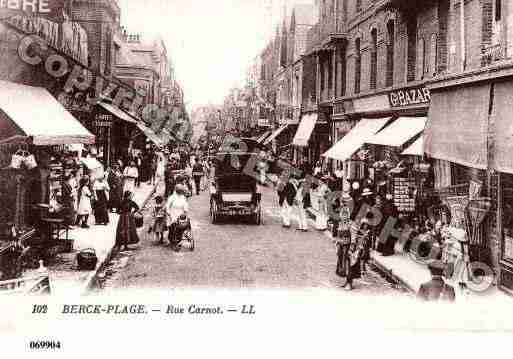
(436, 289)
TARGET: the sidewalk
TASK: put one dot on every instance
(411, 275)
(65, 279)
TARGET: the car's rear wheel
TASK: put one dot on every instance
(257, 217)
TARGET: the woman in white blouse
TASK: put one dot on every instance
(176, 206)
(130, 175)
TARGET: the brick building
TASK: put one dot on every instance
(100, 19)
(445, 62)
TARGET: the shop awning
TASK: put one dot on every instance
(263, 136)
(35, 113)
(305, 129)
(275, 134)
(116, 111)
(416, 149)
(150, 134)
(503, 99)
(350, 143)
(399, 132)
(457, 126)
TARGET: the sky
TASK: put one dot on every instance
(211, 42)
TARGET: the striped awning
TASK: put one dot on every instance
(27, 111)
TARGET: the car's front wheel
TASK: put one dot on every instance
(257, 216)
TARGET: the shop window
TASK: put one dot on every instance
(390, 54)
(374, 59)
(357, 67)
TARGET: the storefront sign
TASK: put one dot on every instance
(76, 102)
(103, 121)
(370, 104)
(409, 97)
(26, 6)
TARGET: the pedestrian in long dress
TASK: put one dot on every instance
(159, 219)
(286, 201)
(68, 201)
(197, 174)
(206, 173)
(302, 202)
(161, 168)
(101, 190)
(126, 232)
(321, 220)
(130, 175)
(85, 196)
(188, 174)
(115, 181)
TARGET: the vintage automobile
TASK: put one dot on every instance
(233, 192)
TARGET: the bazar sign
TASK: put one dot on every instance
(410, 96)
(26, 6)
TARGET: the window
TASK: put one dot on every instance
(421, 58)
(433, 58)
(497, 8)
(358, 5)
(108, 53)
(497, 24)
(343, 73)
(390, 54)
(412, 50)
(329, 70)
(357, 67)
(374, 59)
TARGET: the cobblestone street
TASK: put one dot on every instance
(232, 255)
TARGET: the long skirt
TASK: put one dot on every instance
(126, 232)
(116, 195)
(345, 267)
(101, 212)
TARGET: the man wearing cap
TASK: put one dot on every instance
(436, 289)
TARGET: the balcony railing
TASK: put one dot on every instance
(492, 54)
